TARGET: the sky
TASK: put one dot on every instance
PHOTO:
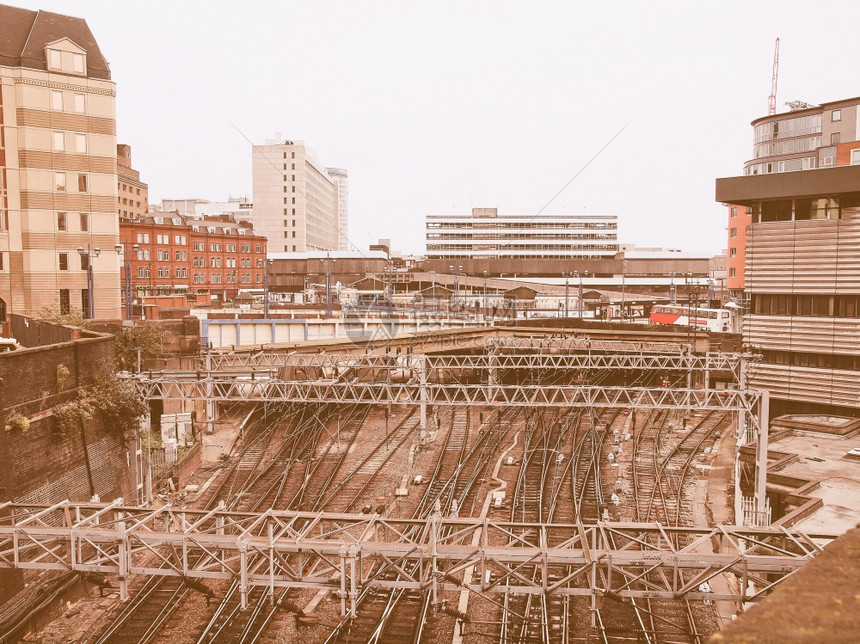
(439, 107)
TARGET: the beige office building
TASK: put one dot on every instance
(58, 166)
(295, 198)
(340, 177)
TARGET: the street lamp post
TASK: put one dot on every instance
(456, 270)
(122, 249)
(89, 252)
(623, 280)
(566, 290)
(485, 294)
(328, 264)
(433, 287)
(266, 289)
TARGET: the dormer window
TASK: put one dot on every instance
(65, 56)
(177, 221)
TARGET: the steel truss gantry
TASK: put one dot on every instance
(230, 389)
(347, 553)
(584, 356)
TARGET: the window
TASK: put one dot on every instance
(60, 181)
(64, 261)
(819, 208)
(733, 213)
(82, 183)
(855, 157)
(732, 272)
(836, 115)
(733, 232)
(84, 261)
(80, 103)
(78, 63)
(81, 143)
(61, 221)
(55, 59)
(59, 142)
(56, 100)
(85, 222)
(733, 252)
(834, 138)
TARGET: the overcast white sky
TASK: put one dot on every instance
(436, 107)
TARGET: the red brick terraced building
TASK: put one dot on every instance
(170, 254)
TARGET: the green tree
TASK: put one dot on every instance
(118, 401)
(149, 338)
(74, 317)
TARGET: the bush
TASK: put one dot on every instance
(118, 402)
(19, 422)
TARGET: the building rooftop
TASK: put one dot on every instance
(24, 35)
(812, 109)
(818, 603)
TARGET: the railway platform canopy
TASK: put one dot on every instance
(347, 553)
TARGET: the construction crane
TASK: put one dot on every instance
(771, 101)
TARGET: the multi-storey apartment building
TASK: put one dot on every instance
(486, 234)
(295, 198)
(58, 166)
(739, 218)
(170, 253)
(802, 270)
(132, 194)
